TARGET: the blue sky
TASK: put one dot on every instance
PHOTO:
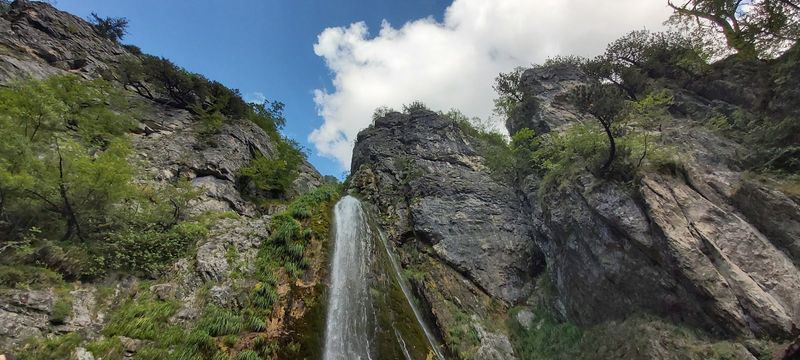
(339, 58)
(256, 46)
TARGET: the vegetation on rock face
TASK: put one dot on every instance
(68, 199)
(110, 28)
(273, 176)
(306, 217)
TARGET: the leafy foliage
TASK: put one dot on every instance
(274, 175)
(513, 100)
(605, 103)
(750, 28)
(559, 157)
(415, 106)
(110, 28)
(491, 144)
(631, 62)
(64, 154)
(68, 200)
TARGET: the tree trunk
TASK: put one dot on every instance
(612, 148)
(67, 211)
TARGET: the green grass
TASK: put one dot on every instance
(107, 348)
(248, 355)
(217, 321)
(308, 216)
(24, 276)
(59, 347)
(143, 318)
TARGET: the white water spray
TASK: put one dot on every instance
(348, 331)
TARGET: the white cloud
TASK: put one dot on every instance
(255, 97)
(452, 64)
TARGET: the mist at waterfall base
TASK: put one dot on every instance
(370, 314)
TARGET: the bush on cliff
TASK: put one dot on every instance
(68, 197)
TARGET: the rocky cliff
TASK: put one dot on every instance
(38, 41)
(706, 245)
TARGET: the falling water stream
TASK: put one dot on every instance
(362, 276)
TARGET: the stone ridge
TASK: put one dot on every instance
(438, 181)
(694, 247)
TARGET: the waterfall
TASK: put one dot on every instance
(368, 296)
(347, 330)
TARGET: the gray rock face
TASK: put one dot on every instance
(430, 178)
(173, 149)
(708, 246)
(687, 247)
(24, 314)
(432, 190)
(493, 346)
(546, 92)
(37, 40)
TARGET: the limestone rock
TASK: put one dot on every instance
(430, 178)
(494, 346)
(24, 313)
(83, 354)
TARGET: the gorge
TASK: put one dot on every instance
(644, 208)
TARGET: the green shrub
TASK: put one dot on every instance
(24, 276)
(62, 308)
(275, 174)
(149, 251)
(5, 6)
(110, 28)
(415, 106)
(64, 133)
(59, 347)
(491, 145)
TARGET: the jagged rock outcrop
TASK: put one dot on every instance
(37, 40)
(432, 191)
(707, 245)
(682, 245)
(422, 171)
(24, 314)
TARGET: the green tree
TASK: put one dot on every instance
(605, 103)
(110, 28)
(751, 28)
(511, 92)
(274, 174)
(62, 154)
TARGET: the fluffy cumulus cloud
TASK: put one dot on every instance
(452, 64)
